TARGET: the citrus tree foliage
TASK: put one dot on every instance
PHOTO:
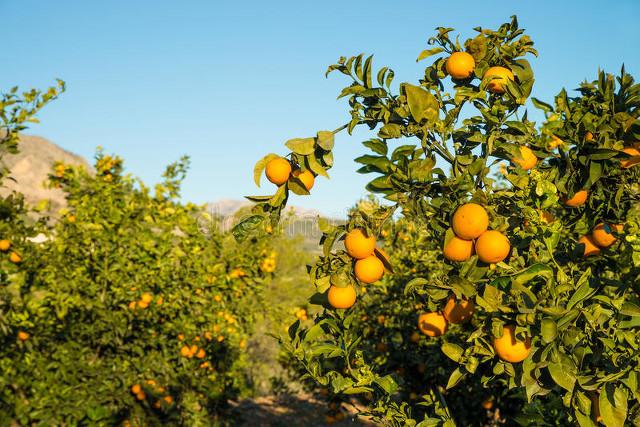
(133, 308)
(571, 302)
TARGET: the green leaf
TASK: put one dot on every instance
(422, 104)
(302, 146)
(549, 330)
(260, 165)
(429, 52)
(246, 226)
(387, 384)
(326, 140)
(563, 372)
(613, 405)
(456, 376)
(452, 351)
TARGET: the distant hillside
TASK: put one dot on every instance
(30, 168)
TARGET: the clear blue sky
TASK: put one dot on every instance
(226, 82)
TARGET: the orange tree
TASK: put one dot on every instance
(132, 308)
(527, 285)
(137, 308)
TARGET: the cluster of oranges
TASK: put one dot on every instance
(601, 237)
(301, 314)
(193, 351)
(268, 264)
(163, 399)
(279, 170)
(470, 225)
(367, 267)
(461, 65)
(144, 301)
(14, 257)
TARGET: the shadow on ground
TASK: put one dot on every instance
(289, 411)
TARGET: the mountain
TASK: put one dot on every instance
(30, 167)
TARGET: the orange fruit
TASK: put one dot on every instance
(306, 177)
(135, 389)
(528, 161)
(358, 245)
(603, 237)
(546, 217)
(488, 403)
(578, 199)
(23, 336)
(458, 312)
(4, 245)
(185, 352)
(630, 161)
(201, 354)
(432, 324)
(496, 79)
(590, 248)
(142, 304)
(15, 258)
(141, 395)
(509, 349)
(588, 136)
(492, 247)
(341, 297)
(278, 170)
(168, 399)
(146, 297)
(369, 269)
(469, 221)
(458, 250)
(555, 142)
(132, 305)
(460, 65)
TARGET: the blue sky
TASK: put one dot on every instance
(226, 82)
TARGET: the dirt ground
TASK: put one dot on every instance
(290, 411)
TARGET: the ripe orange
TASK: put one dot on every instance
(588, 136)
(554, 143)
(488, 403)
(142, 304)
(341, 297)
(15, 258)
(168, 399)
(4, 245)
(432, 324)
(578, 199)
(460, 65)
(603, 237)
(306, 177)
(496, 79)
(135, 389)
(201, 354)
(185, 352)
(278, 170)
(492, 247)
(146, 297)
(630, 161)
(509, 349)
(369, 269)
(23, 336)
(458, 312)
(470, 221)
(458, 250)
(358, 245)
(528, 161)
(141, 395)
(590, 248)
